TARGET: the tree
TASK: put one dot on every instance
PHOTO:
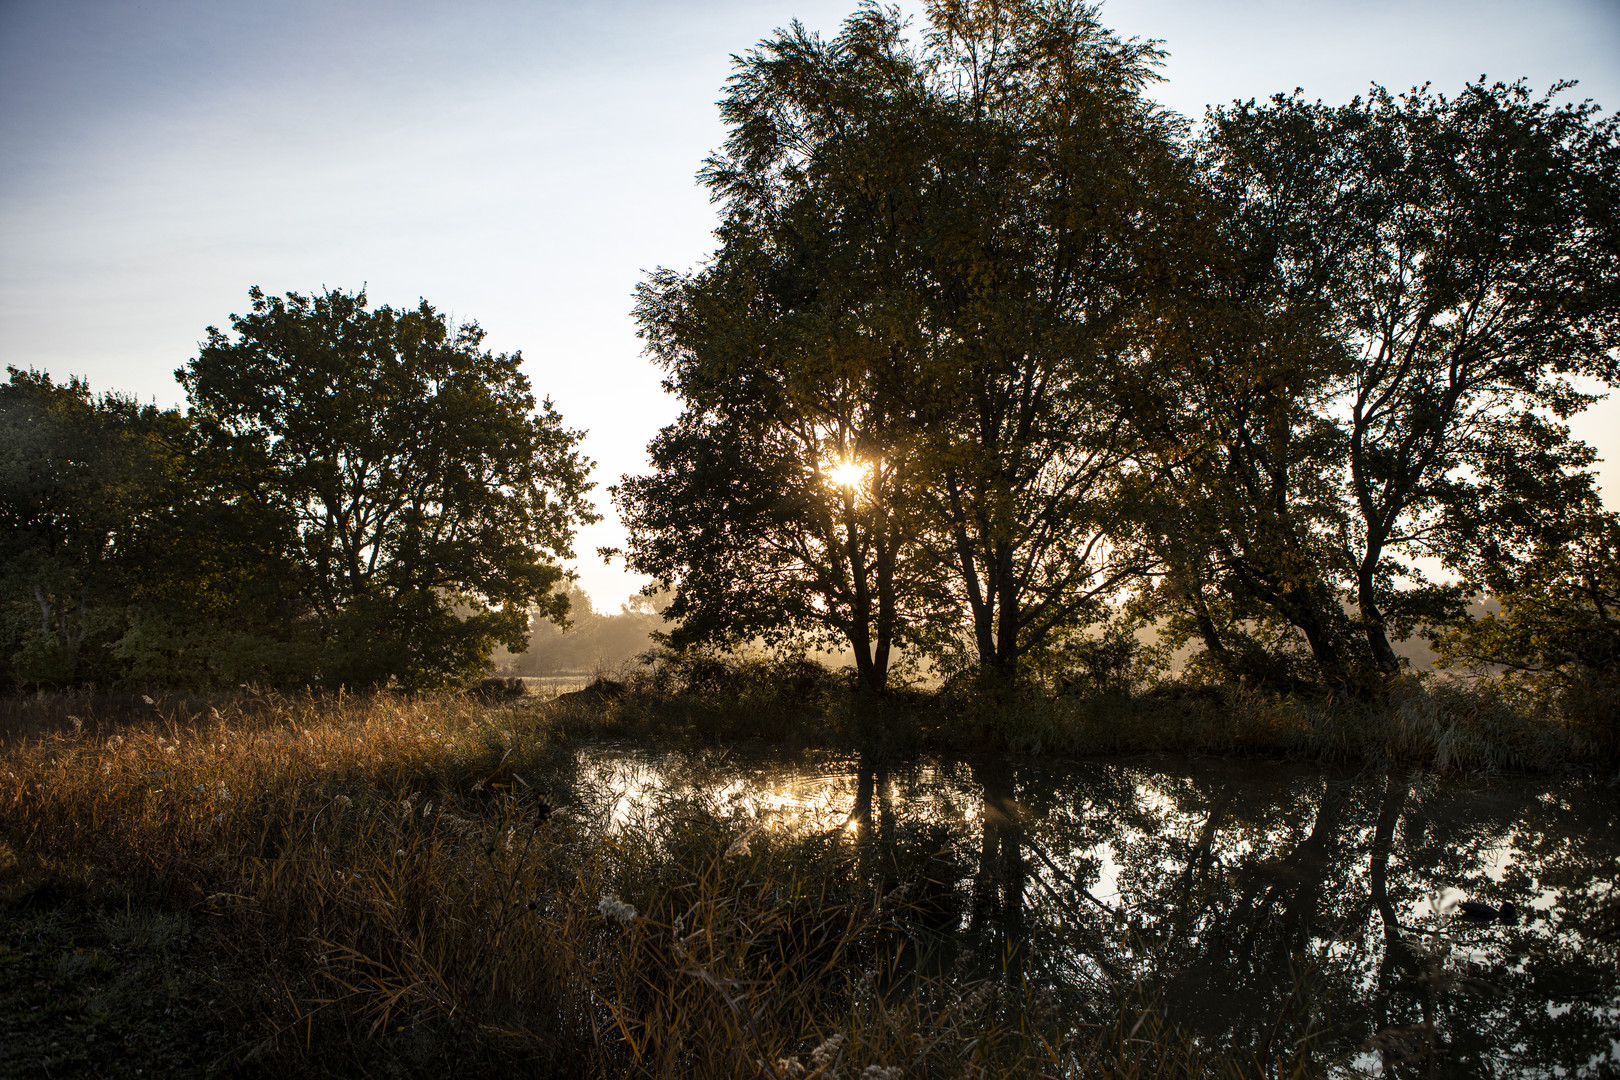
(1056, 180)
(218, 597)
(781, 504)
(1236, 449)
(428, 498)
(1409, 282)
(136, 550)
(1560, 609)
(1487, 271)
(79, 475)
(925, 257)
(780, 500)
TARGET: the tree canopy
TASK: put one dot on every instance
(994, 364)
(430, 498)
(927, 259)
(81, 475)
(1247, 380)
(1403, 289)
(355, 497)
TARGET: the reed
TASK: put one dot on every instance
(1428, 722)
(388, 887)
(1431, 721)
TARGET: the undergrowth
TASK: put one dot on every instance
(391, 886)
(1427, 721)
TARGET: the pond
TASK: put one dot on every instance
(1232, 894)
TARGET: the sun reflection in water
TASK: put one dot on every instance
(1187, 865)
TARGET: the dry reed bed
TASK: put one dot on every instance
(393, 869)
(1430, 723)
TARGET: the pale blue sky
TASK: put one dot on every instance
(519, 164)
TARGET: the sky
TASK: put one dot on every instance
(523, 164)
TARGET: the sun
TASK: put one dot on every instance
(849, 474)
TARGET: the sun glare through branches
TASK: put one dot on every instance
(849, 474)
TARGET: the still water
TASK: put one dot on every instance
(1233, 891)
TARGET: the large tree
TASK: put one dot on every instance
(926, 262)
(1235, 448)
(139, 548)
(1486, 272)
(783, 503)
(430, 499)
(1046, 230)
(782, 500)
(1402, 287)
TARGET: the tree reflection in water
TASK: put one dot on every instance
(1256, 903)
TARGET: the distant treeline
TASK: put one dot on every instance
(592, 642)
(995, 364)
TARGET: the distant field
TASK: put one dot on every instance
(548, 686)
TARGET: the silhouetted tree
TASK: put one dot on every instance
(1485, 272)
(428, 496)
(79, 473)
(925, 265)
(1400, 290)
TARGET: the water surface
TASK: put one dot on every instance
(1247, 898)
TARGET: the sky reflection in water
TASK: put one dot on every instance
(1226, 886)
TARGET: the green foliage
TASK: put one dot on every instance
(704, 694)
(1256, 377)
(995, 365)
(218, 599)
(1560, 609)
(924, 265)
(1557, 632)
(81, 479)
(427, 497)
(356, 497)
(1396, 289)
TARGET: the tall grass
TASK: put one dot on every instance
(1427, 721)
(398, 893)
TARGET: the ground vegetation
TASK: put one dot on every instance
(393, 885)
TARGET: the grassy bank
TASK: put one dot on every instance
(382, 886)
(1428, 722)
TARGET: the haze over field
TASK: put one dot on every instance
(518, 164)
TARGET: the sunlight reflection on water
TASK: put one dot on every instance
(1225, 883)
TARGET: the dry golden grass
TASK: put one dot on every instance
(391, 873)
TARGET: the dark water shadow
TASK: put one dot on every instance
(1257, 904)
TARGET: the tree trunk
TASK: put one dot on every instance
(1005, 660)
(1303, 609)
(1192, 590)
(1372, 622)
(871, 665)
